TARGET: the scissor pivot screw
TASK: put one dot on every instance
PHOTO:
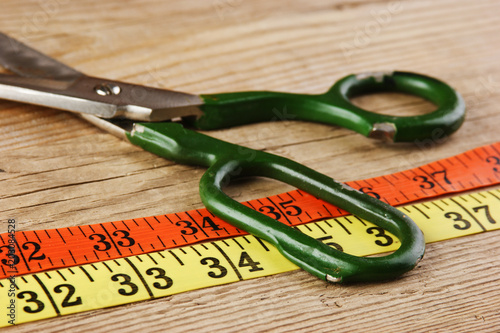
(107, 89)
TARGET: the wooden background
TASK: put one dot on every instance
(60, 171)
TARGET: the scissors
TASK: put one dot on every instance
(154, 119)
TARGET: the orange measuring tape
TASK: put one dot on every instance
(42, 250)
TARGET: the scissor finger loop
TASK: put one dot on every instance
(117, 107)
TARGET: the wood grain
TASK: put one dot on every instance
(60, 171)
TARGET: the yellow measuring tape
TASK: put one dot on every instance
(158, 274)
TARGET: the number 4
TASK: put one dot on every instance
(246, 261)
(208, 223)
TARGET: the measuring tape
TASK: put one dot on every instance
(158, 274)
(41, 250)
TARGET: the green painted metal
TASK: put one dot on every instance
(226, 162)
(334, 107)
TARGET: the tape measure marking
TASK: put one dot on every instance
(158, 274)
(48, 249)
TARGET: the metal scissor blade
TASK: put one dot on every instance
(25, 61)
(45, 81)
(84, 95)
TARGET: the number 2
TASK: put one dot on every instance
(67, 299)
(35, 251)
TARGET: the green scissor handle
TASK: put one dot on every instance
(226, 161)
(334, 107)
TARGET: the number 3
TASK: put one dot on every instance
(380, 233)
(215, 264)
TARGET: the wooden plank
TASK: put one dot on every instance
(60, 171)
